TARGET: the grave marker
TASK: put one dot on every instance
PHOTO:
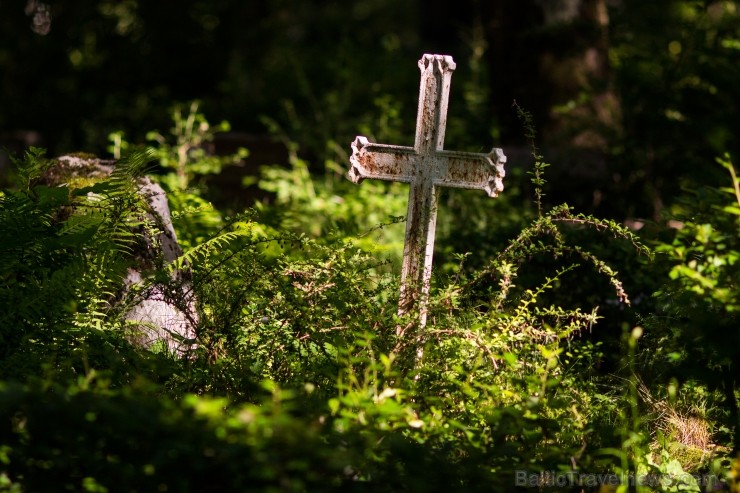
(424, 167)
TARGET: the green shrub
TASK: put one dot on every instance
(94, 439)
(699, 305)
(304, 378)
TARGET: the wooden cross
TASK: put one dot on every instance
(425, 167)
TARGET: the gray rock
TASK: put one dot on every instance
(158, 311)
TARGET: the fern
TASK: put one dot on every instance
(220, 242)
(64, 252)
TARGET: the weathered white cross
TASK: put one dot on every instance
(425, 167)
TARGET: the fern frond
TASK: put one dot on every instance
(30, 167)
(219, 242)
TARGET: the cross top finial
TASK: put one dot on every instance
(444, 62)
(434, 91)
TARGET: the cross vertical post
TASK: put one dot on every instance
(421, 216)
(426, 166)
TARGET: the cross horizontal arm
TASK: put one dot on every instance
(448, 168)
(468, 170)
(381, 162)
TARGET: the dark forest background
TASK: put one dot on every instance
(630, 98)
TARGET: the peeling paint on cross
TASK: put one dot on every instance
(425, 167)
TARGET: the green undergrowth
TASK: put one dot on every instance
(303, 377)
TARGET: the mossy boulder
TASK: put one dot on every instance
(158, 305)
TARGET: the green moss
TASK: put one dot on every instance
(692, 458)
(86, 170)
(83, 155)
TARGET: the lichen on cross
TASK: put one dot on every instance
(425, 167)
